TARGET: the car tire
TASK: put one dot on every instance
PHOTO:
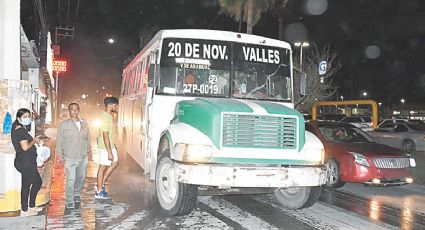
(175, 198)
(333, 178)
(409, 147)
(297, 197)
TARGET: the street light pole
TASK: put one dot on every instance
(57, 83)
(301, 45)
(402, 106)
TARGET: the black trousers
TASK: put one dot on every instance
(31, 183)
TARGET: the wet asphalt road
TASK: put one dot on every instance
(134, 206)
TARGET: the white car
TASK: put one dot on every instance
(362, 122)
(400, 120)
(407, 136)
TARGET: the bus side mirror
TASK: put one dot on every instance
(303, 84)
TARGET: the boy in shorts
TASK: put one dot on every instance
(108, 157)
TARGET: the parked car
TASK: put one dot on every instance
(351, 155)
(331, 117)
(362, 122)
(407, 136)
(400, 120)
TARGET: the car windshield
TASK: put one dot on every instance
(416, 127)
(367, 119)
(344, 134)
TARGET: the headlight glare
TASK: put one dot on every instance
(97, 123)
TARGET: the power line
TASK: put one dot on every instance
(35, 19)
(67, 17)
(41, 14)
(59, 12)
(76, 12)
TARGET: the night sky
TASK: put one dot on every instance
(379, 43)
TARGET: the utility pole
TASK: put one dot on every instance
(62, 33)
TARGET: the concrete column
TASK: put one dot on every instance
(10, 44)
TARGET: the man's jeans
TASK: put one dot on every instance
(75, 174)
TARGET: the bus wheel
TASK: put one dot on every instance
(174, 197)
(297, 197)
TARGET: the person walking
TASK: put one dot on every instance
(25, 161)
(73, 148)
(108, 157)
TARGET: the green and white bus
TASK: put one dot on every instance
(205, 110)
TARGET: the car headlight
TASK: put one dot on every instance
(194, 152)
(360, 159)
(412, 162)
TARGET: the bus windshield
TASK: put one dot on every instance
(203, 68)
(261, 72)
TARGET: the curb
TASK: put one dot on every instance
(43, 196)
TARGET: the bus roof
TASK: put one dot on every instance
(210, 35)
(222, 36)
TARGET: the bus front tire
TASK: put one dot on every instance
(297, 197)
(175, 198)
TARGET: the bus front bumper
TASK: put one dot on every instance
(250, 176)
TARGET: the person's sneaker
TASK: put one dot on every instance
(29, 212)
(101, 195)
(69, 206)
(36, 209)
(104, 190)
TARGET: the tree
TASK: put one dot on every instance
(279, 10)
(146, 34)
(319, 87)
(253, 9)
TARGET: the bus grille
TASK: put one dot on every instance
(254, 131)
(391, 163)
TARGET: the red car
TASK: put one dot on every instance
(351, 155)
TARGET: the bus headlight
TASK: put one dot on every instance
(194, 152)
(316, 156)
(322, 156)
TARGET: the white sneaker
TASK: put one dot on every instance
(29, 212)
(36, 209)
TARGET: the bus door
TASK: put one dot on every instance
(137, 138)
(151, 70)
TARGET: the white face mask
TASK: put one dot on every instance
(26, 121)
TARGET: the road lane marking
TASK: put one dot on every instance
(235, 213)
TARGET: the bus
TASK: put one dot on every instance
(206, 110)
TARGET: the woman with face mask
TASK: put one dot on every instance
(25, 161)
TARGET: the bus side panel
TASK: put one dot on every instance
(127, 123)
(137, 145)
